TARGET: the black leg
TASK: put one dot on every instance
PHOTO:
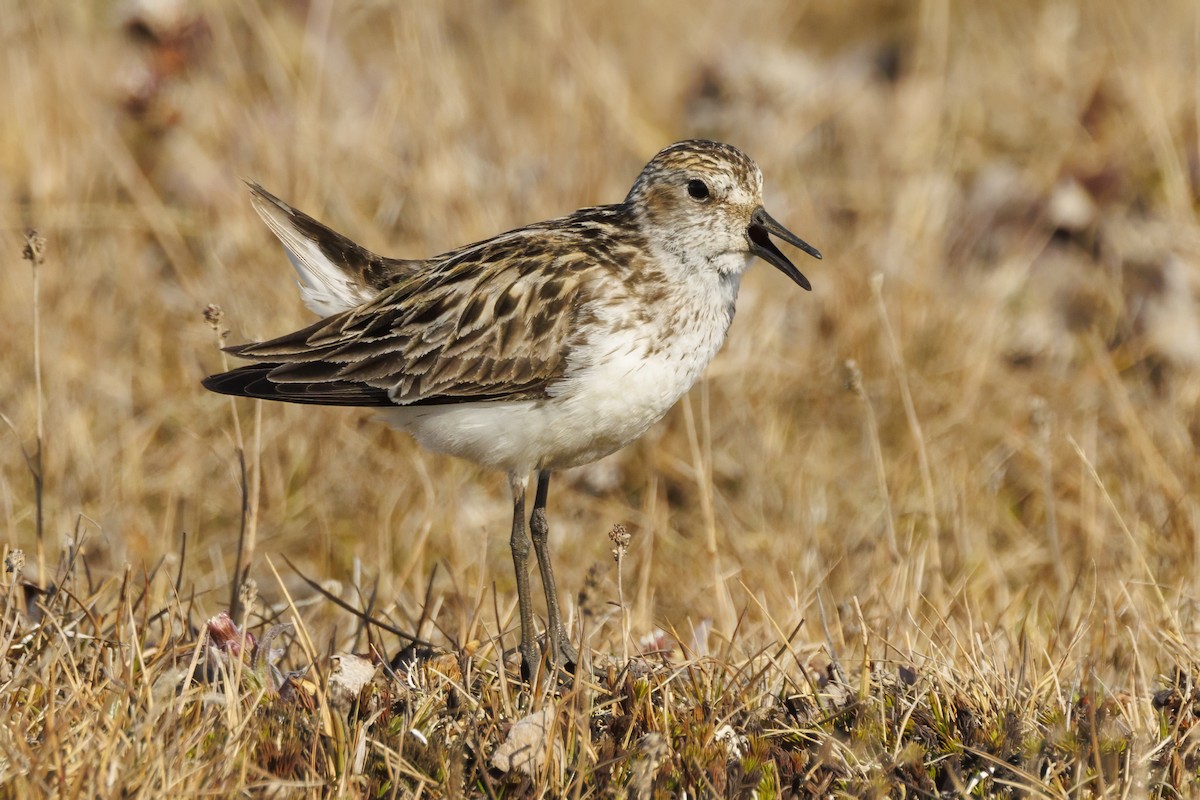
(558, 644)
(519, 542)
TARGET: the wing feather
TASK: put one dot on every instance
(490, 321)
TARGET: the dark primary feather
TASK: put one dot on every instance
(253, 381)
(489, 321)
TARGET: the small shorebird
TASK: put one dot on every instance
(543, 348)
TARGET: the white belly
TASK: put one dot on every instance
(617, 387)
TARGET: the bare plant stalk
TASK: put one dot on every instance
(914, 424)
(624, 610)
(213, 315)
(702, 468)
(620, 539)
(1168, 611)
(247, 555)
(14, 562)
(310, 652)
(856, 385)
(1043, 420)
(864, 684)
(35, 254)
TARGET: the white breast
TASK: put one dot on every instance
(622, 380)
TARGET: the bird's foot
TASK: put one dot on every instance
(561, 653)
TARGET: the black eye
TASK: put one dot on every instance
(697, 189)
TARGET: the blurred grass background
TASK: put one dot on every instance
(1008, 188)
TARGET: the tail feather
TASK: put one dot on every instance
(335, 273)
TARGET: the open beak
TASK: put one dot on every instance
(762, 226)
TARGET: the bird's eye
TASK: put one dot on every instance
(697, 189)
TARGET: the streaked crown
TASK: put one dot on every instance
(695, 200)
(701, 159)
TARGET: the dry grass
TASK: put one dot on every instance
(932, 529)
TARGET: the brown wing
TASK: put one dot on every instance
(492, 322)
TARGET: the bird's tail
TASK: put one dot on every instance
(335, 273)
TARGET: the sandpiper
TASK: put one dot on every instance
(546, 347)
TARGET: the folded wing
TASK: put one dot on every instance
(490, 323)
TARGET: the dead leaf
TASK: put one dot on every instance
(350, 674)
(525, 748)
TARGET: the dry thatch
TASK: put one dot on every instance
(930, 529)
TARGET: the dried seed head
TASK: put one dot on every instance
(619, 537)
(15, 561)
(213, 316)
(35, 247)
(853, 376)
